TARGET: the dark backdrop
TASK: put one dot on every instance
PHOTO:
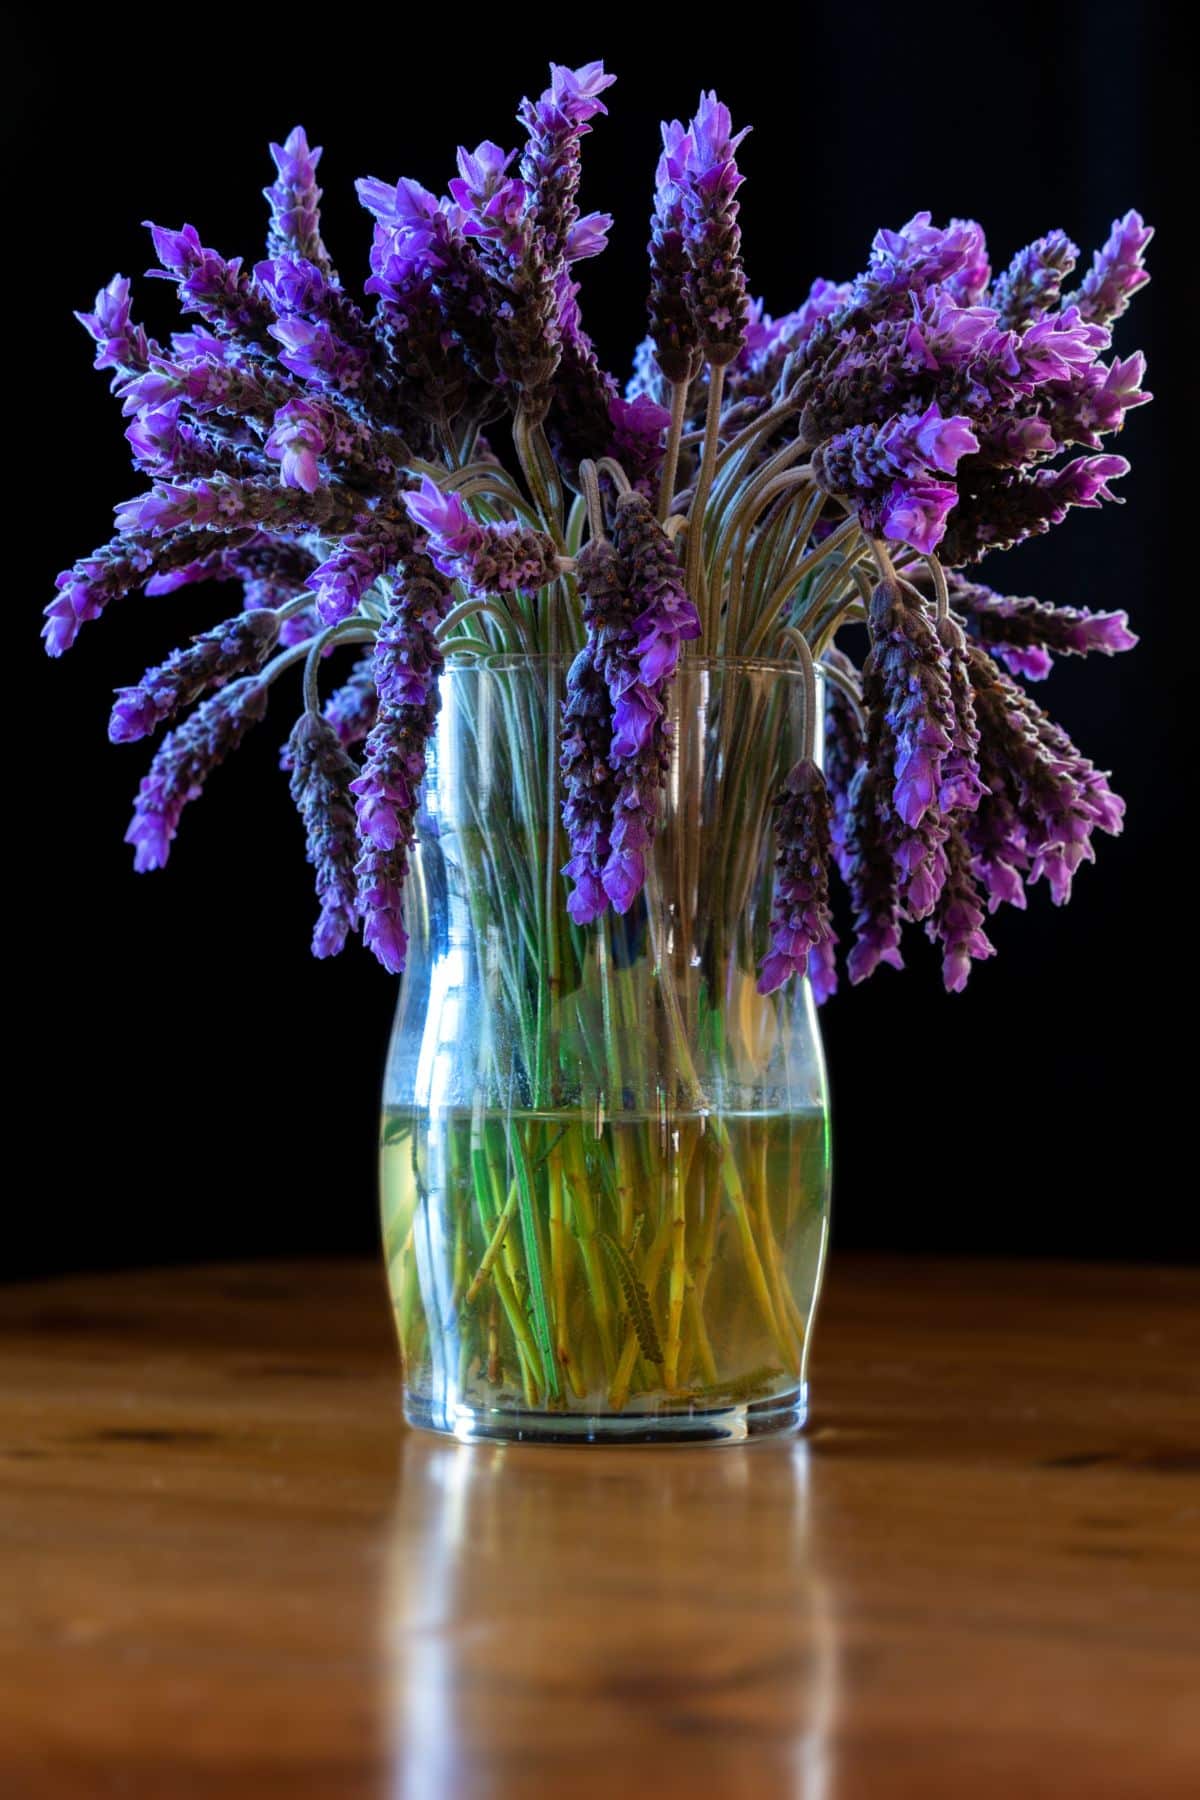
(191, 1084)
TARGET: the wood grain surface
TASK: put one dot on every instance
(228, 1570)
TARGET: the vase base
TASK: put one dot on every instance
(699, 1425)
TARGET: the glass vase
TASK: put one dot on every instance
(605, 1155)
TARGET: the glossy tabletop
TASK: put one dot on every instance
(226, 1568)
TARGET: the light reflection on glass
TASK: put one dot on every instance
(611, 1606)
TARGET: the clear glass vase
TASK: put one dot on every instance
(605, 1156)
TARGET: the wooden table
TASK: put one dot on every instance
(228, 1570)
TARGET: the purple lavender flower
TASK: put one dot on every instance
(295, 202)
(315, 351)
(960, 787)
(1117, 271)
(408, 663)
(321, 774)
(381, 906)
(588, 237)
(210, 380)
(957, 919)
(555, 125)
(222, 504)
(638, 651)
(208, 284)
(1001, 507)
(114, 570)
(910, 262)
(673, 329)
(487, 559)
(843, 755)
(499, 214)
(121, 345)
(234, 648)
(638, 434)
(870, 872)
(1026, 633)
(1046, 799)
(892, 467)
(585, 746)
(352, 709)
(357, 562)
(770, 342)
(667, 618)
(1032, 282)
(184, 761)
(432, 287)
(703, 166)
(294, 285)
(802, 935)
(1092, 402)
(165, 443)
(298, 437)
(914, 682)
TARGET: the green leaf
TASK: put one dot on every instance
(637, 1300)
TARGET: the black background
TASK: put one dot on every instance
(189, 1083)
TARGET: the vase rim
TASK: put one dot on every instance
(460, 662)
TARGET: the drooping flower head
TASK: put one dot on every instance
(321, 774)
(487, 559)
(1027, 634)
(184, 761)
(638, 652)
(802, 935)
(212, 659)
(408, 662)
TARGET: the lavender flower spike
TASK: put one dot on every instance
(960, 788)
(870, 872)
(550, 165)
(320, 786)
(407, 665)
(239, 645)
(352, 709)
(585, 745)
(295, 200)
(184, 761)
(121, 345)
(802, 936)
(487, 559)
(639, 659)
(673, 329)
(1026, 633)
(709, 178)
(1117, 271)
(915, 683)
(957, 920)
(1032, 282)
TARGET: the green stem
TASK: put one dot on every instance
(704, 481)
(666, 487)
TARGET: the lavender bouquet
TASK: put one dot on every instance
(600, 750)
